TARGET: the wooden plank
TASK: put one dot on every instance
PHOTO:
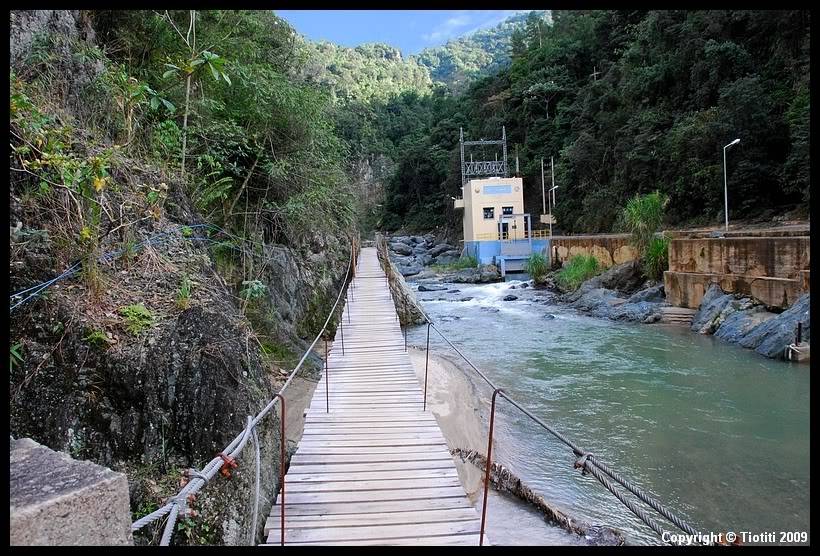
(347, 467)
(398, 494)
(374, 508)
(394, 518)
(386, 484)
(294, 478)
(373, 532)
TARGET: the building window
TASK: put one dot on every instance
(489, 213)
(506, 210)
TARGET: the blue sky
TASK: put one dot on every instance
(409, 30)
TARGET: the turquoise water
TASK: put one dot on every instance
(717, 432)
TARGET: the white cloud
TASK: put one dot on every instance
(464, 22)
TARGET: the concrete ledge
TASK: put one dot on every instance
(686, 289)
(608, 249)
(55, 500)
(779, 257)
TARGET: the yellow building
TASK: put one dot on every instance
(494, 209)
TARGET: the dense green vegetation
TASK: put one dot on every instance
(537, 267)
(671, 89)
(642, 216)
(461, 61)
(577, 270)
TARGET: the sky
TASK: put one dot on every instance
(410, 31)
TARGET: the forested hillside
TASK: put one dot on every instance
(671, 89)
(461, 61)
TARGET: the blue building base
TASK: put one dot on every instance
(489, 251)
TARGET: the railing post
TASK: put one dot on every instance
(327, 380)
(406, 322)
(426, 364)
(342, 329)
(799, 336)
(282, 472)
(487, 469)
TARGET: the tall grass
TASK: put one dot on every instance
(643, 216)
(656, 259)
(537, 267)
(578, 269)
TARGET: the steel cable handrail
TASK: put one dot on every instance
(201, 478)
(588, 461)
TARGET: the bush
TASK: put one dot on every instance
(656, 259)
(537, 267)
(643, 216)
(578, 269)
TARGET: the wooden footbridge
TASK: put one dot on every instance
(372, 466)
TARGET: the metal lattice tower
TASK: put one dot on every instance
(483, 167)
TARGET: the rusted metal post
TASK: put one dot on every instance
(327, 379)
(487, 468)
(282, 472)
(426, 365)
(799, 334)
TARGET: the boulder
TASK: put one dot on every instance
(549, 316)
(482, 275)
(468, 298)
(441, 248)
(446, 258)
(625, 278)
(715, 307)
(654, 294)
(424, 259)
(409, 269)
(401, 248)
(419, 249)
(453, 291)
(771, 337)
(417, 240)
(510, 297)
(431, 288)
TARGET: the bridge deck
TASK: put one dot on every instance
(375, 469)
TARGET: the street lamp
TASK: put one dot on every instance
(725, 184)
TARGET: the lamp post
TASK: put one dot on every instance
(726, 185)
(551, 197)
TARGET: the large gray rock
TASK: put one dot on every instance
(771, 337)
(417, 239)
(441, 248)
(715, 307)
(419, 249)
(424, 259)
(448, 257)
(401, 248)
(625, 278)
(55, 500)
(409, 269)
(431, 288)
(654, 294)
(481, 275)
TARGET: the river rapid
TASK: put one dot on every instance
(718, 433)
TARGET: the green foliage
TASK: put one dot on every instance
(183, 299)
(15, 355)
(96, 338)
(643, 216)
(577, 270)
(465, 261)
(537, 267)
(253, 289)
(137, 318)
(656, 258)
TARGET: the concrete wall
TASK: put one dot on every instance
(781, 257)
(609, 249)
(487, 251)
(55, 500)
(773, 270)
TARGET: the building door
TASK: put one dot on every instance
(527, 229)
(505, 231)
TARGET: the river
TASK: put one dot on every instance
(718, 433)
